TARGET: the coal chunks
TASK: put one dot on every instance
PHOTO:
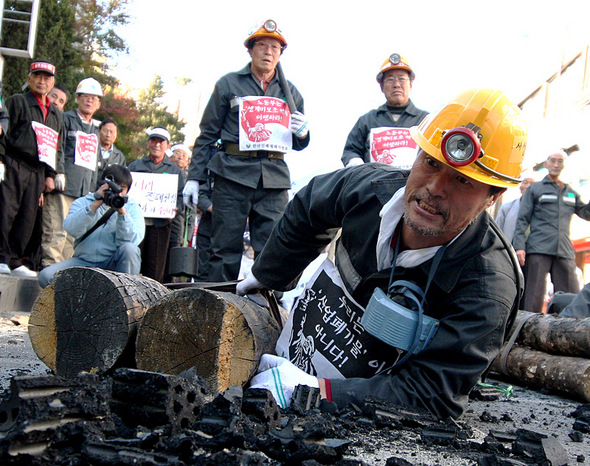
(39, 406)
(151, 399)
(93, 323)
(219, 333)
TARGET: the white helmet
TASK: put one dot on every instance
(89, 86)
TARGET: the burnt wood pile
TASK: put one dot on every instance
(549, 352)
(95, 320)
(139, 417)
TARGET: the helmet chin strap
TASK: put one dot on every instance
(495, 173)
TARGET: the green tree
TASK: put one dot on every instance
(123, 110)
(153, 112)
(77, 36)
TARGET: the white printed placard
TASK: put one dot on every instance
(324, 335)
(155, 193)
(393, 146)
(265, 124)
(86, 150)
(46, 143)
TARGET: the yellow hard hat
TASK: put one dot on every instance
(395, 62)
(480, 133)
(268, 29)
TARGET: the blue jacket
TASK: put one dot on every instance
(106, 239)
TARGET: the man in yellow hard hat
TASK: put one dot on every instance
(248, 113)
(424, 287)
(382, 134)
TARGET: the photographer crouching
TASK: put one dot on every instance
(103, 239)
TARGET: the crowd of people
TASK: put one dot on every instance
(414, 247)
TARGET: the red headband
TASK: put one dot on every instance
(42, 66)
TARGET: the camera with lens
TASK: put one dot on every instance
(112, 196)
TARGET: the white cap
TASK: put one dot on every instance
(158, 132)
(89, 86)
(182, 147)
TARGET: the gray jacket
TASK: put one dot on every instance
(548, 211)
(474, 292)
(79, 180)
(358, 144)
(146, 165)
(220, 121)
(116, 157)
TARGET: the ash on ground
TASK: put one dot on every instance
(135, 417)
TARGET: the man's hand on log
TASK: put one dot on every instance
(281, 376)
(248, 284)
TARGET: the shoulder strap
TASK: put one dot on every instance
(100, 222)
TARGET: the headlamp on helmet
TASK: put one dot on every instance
(267, 29)
(461, 146)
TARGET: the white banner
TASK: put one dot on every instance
(155, 193)
(265, 124)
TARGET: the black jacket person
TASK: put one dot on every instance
(431, 224)
(248, 114)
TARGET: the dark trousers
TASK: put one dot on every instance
(233, 204)
(563, 277)
(154, 251)
(19, 202)
(204, 247)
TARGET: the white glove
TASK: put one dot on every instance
(60, 182)
(299, 124)
(354, 162)
(191, 190)
(281, 376)
(250, 283)
(2, 172)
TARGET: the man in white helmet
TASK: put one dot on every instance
(381, 135)
(423, 288)
(248, 113)
(77, 172)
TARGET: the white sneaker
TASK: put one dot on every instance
(4, 269)
(24, 271)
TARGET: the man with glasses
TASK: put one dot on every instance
(547, 208)
(423, 287)
(77, 172)
(248, 113)
(374, 137)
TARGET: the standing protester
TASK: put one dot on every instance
(109, 154)
(107, 233)
(508, 213)
(29, 153)
(547, 208)
(154, 248)
(455, 278)
(372, 139)
(59, 96)
(204, 209)
(180, 155)
(77, 174)
(247, 112)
